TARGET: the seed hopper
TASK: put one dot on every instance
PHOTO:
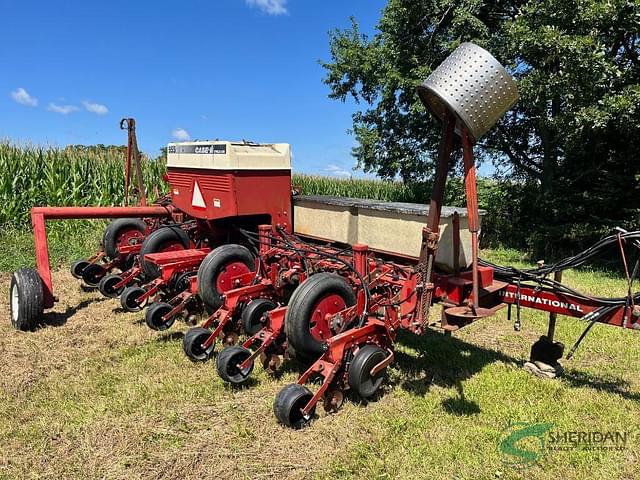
(329, 281)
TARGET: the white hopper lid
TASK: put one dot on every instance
(225, 155)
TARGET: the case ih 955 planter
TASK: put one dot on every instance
(330, 281)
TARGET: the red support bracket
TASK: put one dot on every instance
(266, 336)
(39, 216)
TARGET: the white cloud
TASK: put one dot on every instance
(96, 108)
(272, 7)
(22, 96)
(181, 134)
(63, 109)
(332, 169)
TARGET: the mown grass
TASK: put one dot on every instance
(99, 395)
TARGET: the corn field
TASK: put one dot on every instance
(390, 191)
(36, 175)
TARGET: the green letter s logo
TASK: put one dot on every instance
(511, 437)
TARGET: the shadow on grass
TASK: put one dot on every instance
(447, 361)
(57, 319)
(248, 384)
(615, 385)
(167, 337)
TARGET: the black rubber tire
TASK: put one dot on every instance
(106, 286)
(153, 316)
(288, 405)
(300, 310)
(227, 364)
(192, 344)
(155, 242)
(128, 297)
(360, 379)
(77, 267)
(113, 230)
(92, 274)
(26, 299)
(253, 313)
(213, 264)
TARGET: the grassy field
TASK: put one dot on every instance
(98, 395)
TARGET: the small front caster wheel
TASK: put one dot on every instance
(289, 403)
(107, 286)
(360, 378)
(228, 362)
(192, 344)
(92, 274)
(130, 299)
(155, 316)
(26, 299)
(78, 267)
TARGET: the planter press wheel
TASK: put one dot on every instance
(165, 239)
(122, 232)
(92, 274)
(26, 299)
(77, 268)
(360, 379)
(216, 272)
(129, 299)
(155, 312)
(227, 364)
(308, 321)
(107, 286)
(192, 344)
(253, 315)
(289, 403)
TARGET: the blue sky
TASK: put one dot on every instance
(199, 69)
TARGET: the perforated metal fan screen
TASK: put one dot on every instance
(473, 85)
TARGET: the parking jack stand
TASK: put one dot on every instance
(546, 352)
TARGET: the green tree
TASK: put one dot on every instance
(575, 131)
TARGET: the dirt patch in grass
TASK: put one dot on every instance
(96, 394)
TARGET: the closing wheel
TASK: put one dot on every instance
(308, 322)
(227, 364)
(192, 344)
(154, 316)
(26, 299)
(165, 239)
(216, 272)
(254, 315)
(122, 232)
(360, 378)
(129, 299)
(289, 403)
(92, 274)
(77, 267)
(107, 286)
